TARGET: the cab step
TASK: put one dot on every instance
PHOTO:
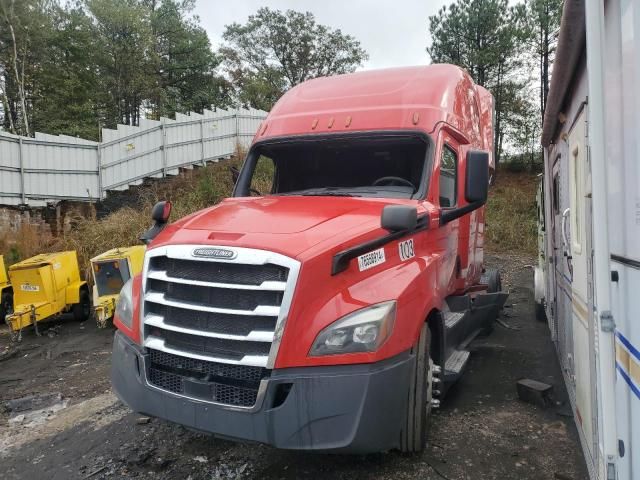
(451, 319)
(455, 364)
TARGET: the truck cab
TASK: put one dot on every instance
(328, 304)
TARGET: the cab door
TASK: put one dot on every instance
(447, 192)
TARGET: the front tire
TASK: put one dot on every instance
(6, 305)
(494, 280)
(414, 436)
(494, 285)
(82, 310)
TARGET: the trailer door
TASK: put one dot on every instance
(581, 299)
(561, 270)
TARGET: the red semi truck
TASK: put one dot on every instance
(329, 303)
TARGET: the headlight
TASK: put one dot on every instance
(124, 307)
(361, 331)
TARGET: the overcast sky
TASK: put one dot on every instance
(394, 33)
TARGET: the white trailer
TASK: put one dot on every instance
(588, 279)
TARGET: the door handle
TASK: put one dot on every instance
(565, 237)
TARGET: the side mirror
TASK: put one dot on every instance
(396, 218)
(476, 186)
(476, 182)
(160, 216)
(160, 212)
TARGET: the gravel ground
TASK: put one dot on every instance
(482, 430)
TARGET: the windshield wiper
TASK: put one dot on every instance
(328, 194)
(322, 192)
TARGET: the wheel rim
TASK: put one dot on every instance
(429, 387)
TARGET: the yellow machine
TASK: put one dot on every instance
(6, 292)
(47, 285)
(111, 270)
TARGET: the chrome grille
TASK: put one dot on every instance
(216, 313)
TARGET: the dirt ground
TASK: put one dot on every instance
(482, 431)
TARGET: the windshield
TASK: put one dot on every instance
(383, 165)
(110, 276)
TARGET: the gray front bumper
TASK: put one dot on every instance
(348, 408)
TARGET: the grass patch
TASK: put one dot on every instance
(511, 215)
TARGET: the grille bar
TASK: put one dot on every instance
(156, 297)
(253, 336)
(223, 272)
(199, 368)
(216, 297)
(239, 325)
(266, 285)
(249, 360)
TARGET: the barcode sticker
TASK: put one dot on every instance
(371, 259)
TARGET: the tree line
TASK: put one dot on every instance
(507, 48)
(74, 66)
(77, 65)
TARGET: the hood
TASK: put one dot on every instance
(288, 224)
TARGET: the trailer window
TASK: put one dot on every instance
(376, 165)
(110, 276)
(556, 194)
(448, 177)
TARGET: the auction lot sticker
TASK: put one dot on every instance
(371, 259)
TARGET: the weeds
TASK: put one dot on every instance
(24, 242)
(511, 216)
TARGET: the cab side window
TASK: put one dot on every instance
(448, 177)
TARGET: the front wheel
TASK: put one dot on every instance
(6, 305)
(82, 309)
(419, 402)
(494, 285)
